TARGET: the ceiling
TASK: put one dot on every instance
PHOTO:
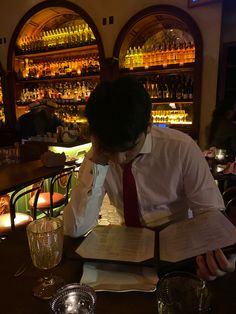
(151, 25)
(49, 18)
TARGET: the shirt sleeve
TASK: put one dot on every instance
(81, 213)
(200, 188)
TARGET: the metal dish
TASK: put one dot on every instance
(74, 298)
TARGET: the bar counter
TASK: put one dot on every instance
(14, 176)
(29, 171)
(16, 292)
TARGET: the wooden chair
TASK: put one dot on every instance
(229, 197)
(48, 201)
(17, 219)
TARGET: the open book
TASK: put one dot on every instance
(207, 231)
(116, 256)
(118, 243)
(181, 240)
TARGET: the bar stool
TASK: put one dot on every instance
(18, 219)
(48, 201)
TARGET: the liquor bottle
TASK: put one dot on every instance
(2, 114)
(146, 62)
(178, 94)
(168, 54)
(86, 33)
(139, 57)
(160, 91)
(184, 88)
(181, 54)
(166, 94)
(190, 89)
(144, 57)
(127, 59)
(93, 39)
(192, 52)
(159, 55)
(1, 98)
(153, 56)
(76, 35)
(143, 81)
(153, 91)
(172, 54)
(164, 56)
(80, 33)
(171, 84)
(131, 58)
(135, 57)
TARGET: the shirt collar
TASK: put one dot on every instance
(147, 146)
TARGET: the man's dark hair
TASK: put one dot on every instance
(118, 112)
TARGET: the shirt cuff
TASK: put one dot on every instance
(100, 172)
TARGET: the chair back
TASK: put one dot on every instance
(4, 204)
(19, 193)
(63, 180)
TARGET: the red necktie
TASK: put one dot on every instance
(131, 208)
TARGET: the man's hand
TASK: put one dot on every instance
(214, 264)
(98, 156)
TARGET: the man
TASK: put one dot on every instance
(170, 172)
(25, 125)
(46, 120)
(39, 120)
(222, 130)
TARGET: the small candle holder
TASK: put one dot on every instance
(220, 154)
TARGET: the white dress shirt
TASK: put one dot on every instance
(171, 177)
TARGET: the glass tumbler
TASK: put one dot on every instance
(182, 293)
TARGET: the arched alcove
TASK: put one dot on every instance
(161, 46)
(56, 44)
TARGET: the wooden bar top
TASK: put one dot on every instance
(13, 176)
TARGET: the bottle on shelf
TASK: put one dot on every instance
(66, 92)
(53, 39)
(190, 89)
(159, 55)
(63, 67)
(2, 114)
(160, 92)
(166, 94)
(169, 87)
(171, 117)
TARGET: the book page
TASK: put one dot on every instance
(118, 243)
(207, 231)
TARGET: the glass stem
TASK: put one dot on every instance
(48, 278)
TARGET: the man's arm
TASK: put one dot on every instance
(202, 193)
(81, 213)
(199, 185)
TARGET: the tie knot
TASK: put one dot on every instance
(128, 166)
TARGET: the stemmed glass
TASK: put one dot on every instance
(45, 238)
